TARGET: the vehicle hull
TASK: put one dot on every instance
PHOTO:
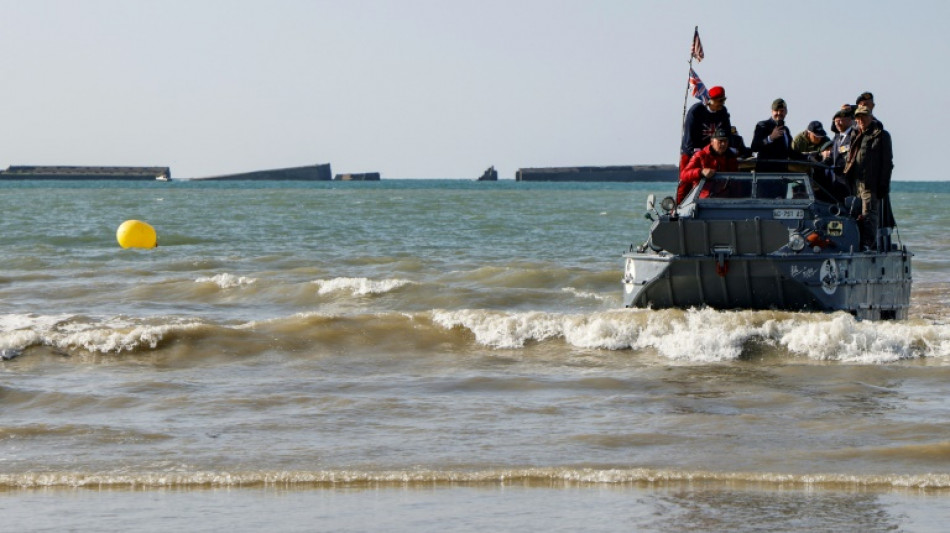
(869, 285)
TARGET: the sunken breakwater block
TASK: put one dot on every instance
(489, 175)
(362, 176)
(612, 173)
(36, 172)
(306, 173)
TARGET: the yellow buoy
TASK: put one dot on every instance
(136, 234)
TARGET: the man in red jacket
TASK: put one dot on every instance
(706, 162)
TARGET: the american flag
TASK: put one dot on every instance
(697, 49)
(697, 88)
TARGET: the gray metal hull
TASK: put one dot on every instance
(871, 286)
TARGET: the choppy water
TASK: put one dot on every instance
(411, 353)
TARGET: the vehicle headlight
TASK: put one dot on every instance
(668, 204)
(796, 242)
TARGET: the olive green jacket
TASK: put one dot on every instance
(801, 143)
(871, 160)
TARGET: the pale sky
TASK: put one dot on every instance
(445, 88)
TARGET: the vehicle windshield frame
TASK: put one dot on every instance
(733, 187)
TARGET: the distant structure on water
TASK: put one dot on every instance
(489, 175)
(35, 172)
(362, 176)
(306, 173)
(611, 173)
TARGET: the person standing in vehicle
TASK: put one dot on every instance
(701, 121)
(867, 100)
(870, 163)
(717, 157)
(772, 140)
(810, 141)
(737, 144)
(837, 155)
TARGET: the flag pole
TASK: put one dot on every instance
(686, 96)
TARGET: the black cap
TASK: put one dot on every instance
(864, 96)
(816, 128)
(845, 111)
(721, 134)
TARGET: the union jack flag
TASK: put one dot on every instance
(697, 88)
(697, 48)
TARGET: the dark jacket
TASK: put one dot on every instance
(769, 149)
(872, 160)
(700, 124)
(840, 148)
(737, 144)
(704, 158)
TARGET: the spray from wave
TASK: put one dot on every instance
(553, 476)
(69, 333)
(588, 294)
(227, 281)
(707, 335)
(692, 336)
(359, 286)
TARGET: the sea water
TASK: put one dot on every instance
(432, 355)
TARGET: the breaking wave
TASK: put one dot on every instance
(588, 294)
(692, 336)
(708, 335)
(552, 477)
(227, 281)
(359, 286)
(64, 332)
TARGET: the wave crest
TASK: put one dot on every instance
(69, 333)
(692, 336)
(227, 281)
(705, 335)
(359, 286)
(553, 476)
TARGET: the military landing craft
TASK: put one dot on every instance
(765, 241)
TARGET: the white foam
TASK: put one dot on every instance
(106, 340)
(707, 335)
(17, 331)
(585, 294)
(500, 329)
(227, 281)
(693, 336)
(108, 336)
(699, 335)
(14, 321)
(359, 286)
(554, 475)
(845, 339)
